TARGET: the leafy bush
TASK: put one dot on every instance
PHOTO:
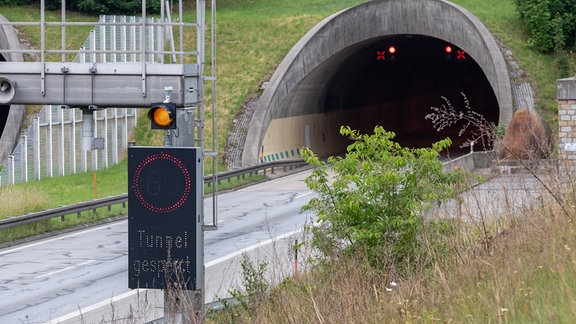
(376, 198)
(551, 23)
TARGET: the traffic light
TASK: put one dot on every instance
(162, 115)
(388, 54)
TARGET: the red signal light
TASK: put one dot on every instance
(448, 49)
(461, 55)
(392, 50)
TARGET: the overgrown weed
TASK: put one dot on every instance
(513, 264)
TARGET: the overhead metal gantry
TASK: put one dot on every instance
(97, 85)
(107, 84)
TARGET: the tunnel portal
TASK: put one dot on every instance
(394, 81)
(11, 116)
(4, 109)
(381, 63)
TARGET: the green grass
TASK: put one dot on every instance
(48, 193)
(75, 36)
(53, 192)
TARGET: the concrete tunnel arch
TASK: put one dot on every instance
(301, 84)
(11, 116)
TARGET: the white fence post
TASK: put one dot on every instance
(11, 166)
(36, 147)
(24, 153)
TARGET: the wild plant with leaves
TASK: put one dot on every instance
(481, 130)
(373, 199)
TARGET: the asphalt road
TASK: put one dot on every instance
(83, 276)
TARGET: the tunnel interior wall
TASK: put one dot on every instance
(299, 83)
(11, 116)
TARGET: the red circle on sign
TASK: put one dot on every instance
(179, 202)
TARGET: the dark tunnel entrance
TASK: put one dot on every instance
(394, 81)
(4, 109)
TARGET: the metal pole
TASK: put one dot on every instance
(214, 118)
(143, 47)
(42, 48)
(49, 151)
(105, 137)
(25, 158)
(73, 140)
(171, 31)
(115, 148)
(63, 31)
(198, 296)
(37, 163)
(94, 135)
(162, 31)
(61, 139)
(11, 175)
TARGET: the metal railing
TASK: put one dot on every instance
(80, 207)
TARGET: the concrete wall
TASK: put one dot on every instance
(15, 116)
(332, 39)
(566, 96)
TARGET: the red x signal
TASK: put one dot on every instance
(380, 55)
(461, 55)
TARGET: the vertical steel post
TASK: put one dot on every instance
(171, 36)
(61, 158)
(43, 47)
(105, 137)
(49, 150)
(11, 175)
(25, 158)
(113, 49)
(93, 135)
(198, 295)
(72, 141)
(37, 170)
(103, 45)
(115, 148)
(63, 9)
(123, 40)
(143, 47)
(214, 118)
(162, 32)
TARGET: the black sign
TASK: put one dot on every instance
(163, 216)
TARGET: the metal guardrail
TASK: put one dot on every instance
(78, 208)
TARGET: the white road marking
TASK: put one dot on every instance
(88, 309)
(64, 269)
(249, 248)
(304, 195)
(131, 293)
(26, 246)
